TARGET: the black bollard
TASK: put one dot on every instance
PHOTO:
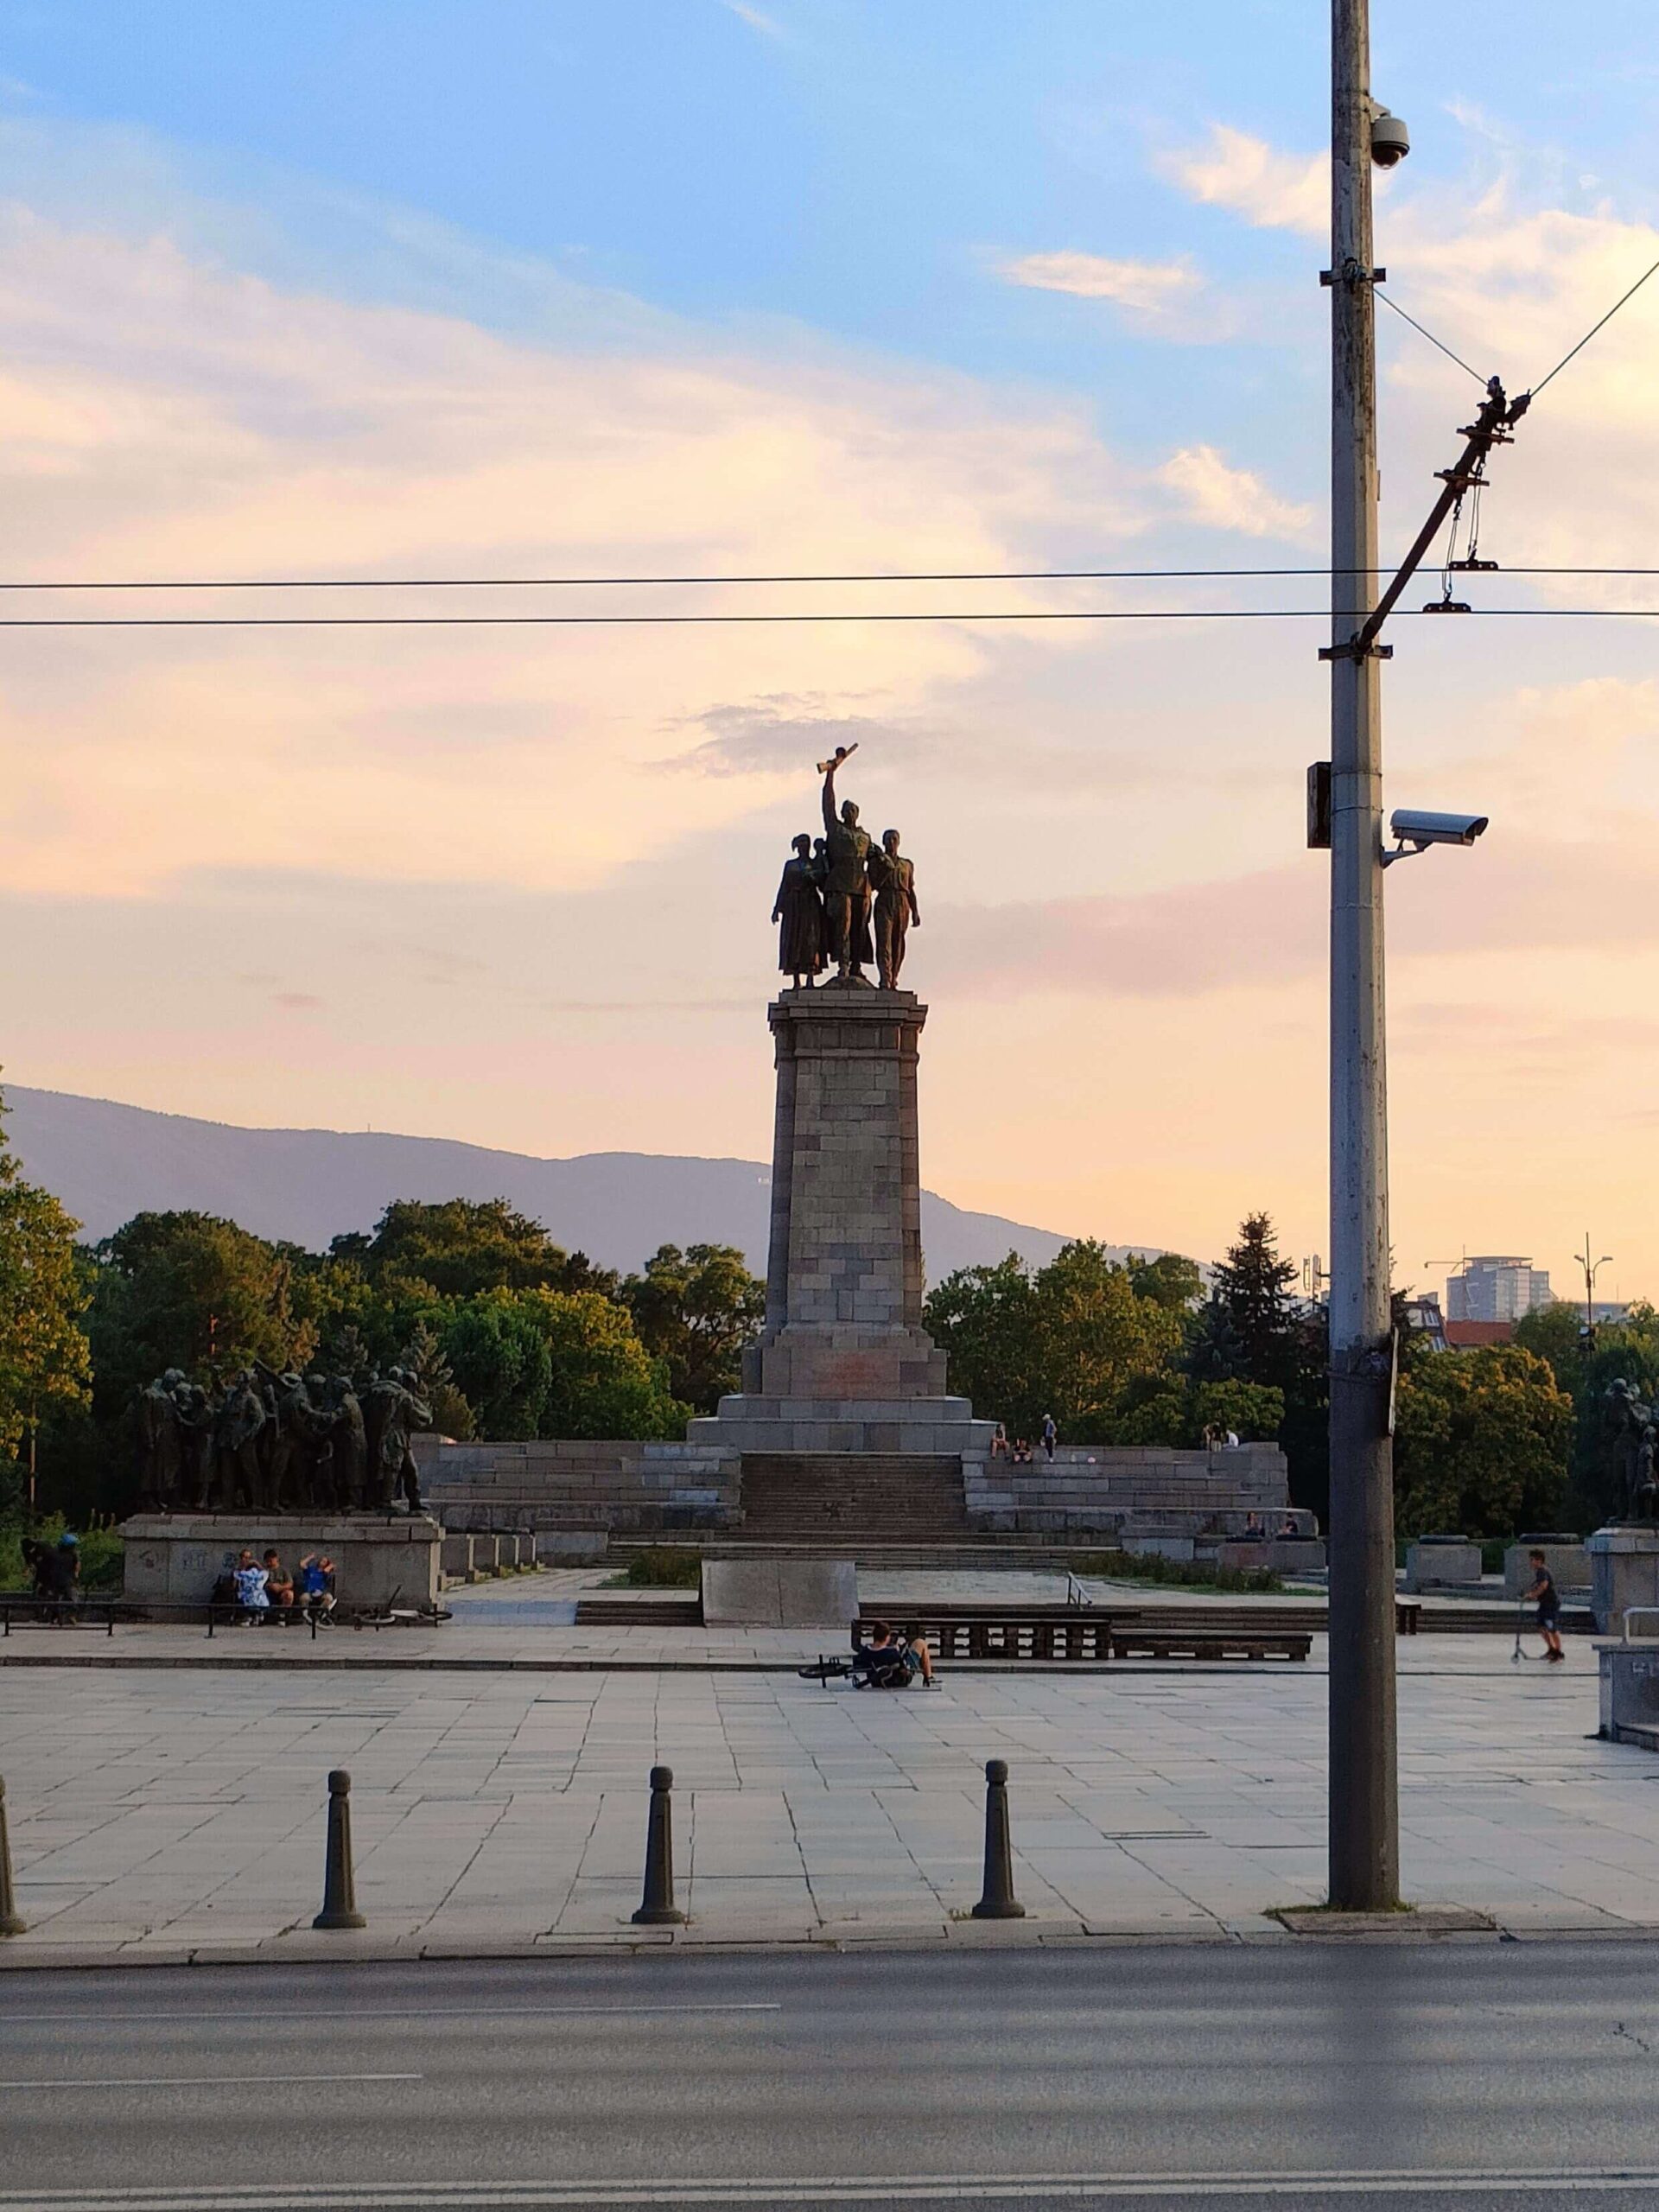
(999, 1902)
(339, 1883)
(11, 1921)
(658, 1908)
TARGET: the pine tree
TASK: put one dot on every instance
(1251, 1328)
(451, 1414)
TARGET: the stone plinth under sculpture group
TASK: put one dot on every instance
(843, 1362)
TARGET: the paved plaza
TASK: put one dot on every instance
(160, 1812)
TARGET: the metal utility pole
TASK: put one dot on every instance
(1365, 1833)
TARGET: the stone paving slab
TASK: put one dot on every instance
(158, 1813)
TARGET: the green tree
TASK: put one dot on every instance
(1251, 1324)
(45, 1361)
(1179, 1410)
(1481, 1442)
(498, 1355)
(1170, 1279)
(556, 1363)
(696, 1309)
(424, 1351)
(1073, 1338)
(1253, 1328)
(1555, 1333)
(602, 1381)
(986, 1321)
(462, 1247)
(189, 1290)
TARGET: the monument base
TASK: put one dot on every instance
(940, 1427)
(1629, 1690)
(175, 1559)
(1624, 1572)
(779, 1593)
(1442, 1563)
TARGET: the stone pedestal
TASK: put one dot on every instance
(843, 1362)
(1630, 1690)
(1564, 1556)
(1624, 1572)
(779, 1593)
(177, 1558)
(1442, 1563)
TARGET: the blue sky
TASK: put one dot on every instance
(417, 287)
(852, 165)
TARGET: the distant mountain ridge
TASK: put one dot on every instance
(107, 1162)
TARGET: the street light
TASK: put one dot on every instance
(1591, 1269)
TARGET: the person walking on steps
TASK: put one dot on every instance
(1543, 1594)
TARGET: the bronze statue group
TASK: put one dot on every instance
(268, 1443)
(832, 891)
(1635, 1428)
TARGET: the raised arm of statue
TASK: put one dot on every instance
(830, 824)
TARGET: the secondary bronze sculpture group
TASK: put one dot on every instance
(1635, 1439)
(263, 1442)
(832, 890)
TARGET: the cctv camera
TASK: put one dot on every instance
(1390, 140)
(1420, 830)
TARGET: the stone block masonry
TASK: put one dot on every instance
(843, 1362)
(845, 1405)
(177, 1558)
(844, 1272)
(577, 1485)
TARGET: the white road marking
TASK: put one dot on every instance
(197, 2080)
(274, 2013)
(914, 2188)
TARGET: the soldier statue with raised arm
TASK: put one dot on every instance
(846, 882)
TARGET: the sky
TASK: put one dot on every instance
(410, 289)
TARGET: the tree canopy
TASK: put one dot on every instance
(696, 1309)
(464, 1246)
(1070, 1339)
(558, 1363)
(193, 1290)
(1480, 1443)
(45, 1360)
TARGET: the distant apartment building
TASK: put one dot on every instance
(1497, 1286)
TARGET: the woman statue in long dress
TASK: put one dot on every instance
(799, 912)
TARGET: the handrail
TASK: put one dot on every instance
(1632, 1612)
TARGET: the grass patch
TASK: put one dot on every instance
(1187, 1574)
(660, 1566)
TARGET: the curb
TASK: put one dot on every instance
(631, 1943)
(258, 1662)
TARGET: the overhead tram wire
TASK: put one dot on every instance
(1595, 327)
(786, 577)
(1424, 332)
(675, 621)
(867, 576)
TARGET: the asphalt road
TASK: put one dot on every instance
(1306, 2075)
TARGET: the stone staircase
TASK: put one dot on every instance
(830, 1499)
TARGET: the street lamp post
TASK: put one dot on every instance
(1591, 1269)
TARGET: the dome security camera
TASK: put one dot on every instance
(1390, 140)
